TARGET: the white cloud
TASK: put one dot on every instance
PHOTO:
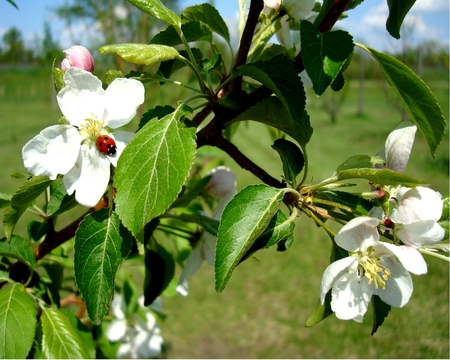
(430, 6)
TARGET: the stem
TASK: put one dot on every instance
(179, 83)
(203, 87)
(436, 255)
(318, 221)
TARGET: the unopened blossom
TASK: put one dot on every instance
(272, 4)
(140, 338)
(72, 149)
(372, 268)
(78, 56)
(222, 185)
(298, 9)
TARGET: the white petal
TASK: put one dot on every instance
(82, 97)
(193, 263)
(410, 258)
(416, 204)
(209, 247)
(118, 306)
(122, 138)
(399, 286)
(125, 351)
(298, 9)
(122, 98)
(332, 272)
(89, 177)
(398, 146)
(144, 347)
(116, 330)
(358, 234)
(52, 152)
(284, 34)
(421, 233)
(218, 210)
(350, 297)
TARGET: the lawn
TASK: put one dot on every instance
(263, 310)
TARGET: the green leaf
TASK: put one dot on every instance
(292, 159)
(60, 201)
(59, 339)
(380, 176)
(167, 68)
(244, 219)
(22, 199)
(272, 112)
(278, 74)
(397, 12)
(320, 311)
(159, 271)
(19, 249)
(380, 312)
(156, 9)
(101, 245)
(156, 113)
(324, 54)
(5, 200)
(17, 322)
(210, 225)
(112, 75)
(58, 78)
(326, 6)
(37, 230)
(243, 6)
(207, 14)
(348, 199)
(280, 228)
(152, 170)
(193, 31)
(359, 161)
(186, 197)
(416, 97)
(83, 332)
(141, 53)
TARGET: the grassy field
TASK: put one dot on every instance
(262, 311)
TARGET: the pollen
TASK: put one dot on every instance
(375, 272)
(92, 127)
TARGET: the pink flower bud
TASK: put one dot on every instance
(222, 182)
(79, 57)
(272, 4)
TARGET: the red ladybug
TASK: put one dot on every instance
(106, 145)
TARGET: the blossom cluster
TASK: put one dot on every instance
(380, 268)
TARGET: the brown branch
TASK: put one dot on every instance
(256, 6)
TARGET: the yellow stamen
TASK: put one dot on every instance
(375, 272)
(92, 128)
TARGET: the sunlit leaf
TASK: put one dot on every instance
(17, 322)
(152, 170)
(416, 97)
(156, 9)
(141, 53)
(243, 220)
(19, 249)
(101, 245)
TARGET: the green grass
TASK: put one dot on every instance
(262, 311)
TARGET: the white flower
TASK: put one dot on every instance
(298, 9)
(416, 213)
(71, 150)
(221, 185)
(371, 269)
(141, 338)
(397, 148)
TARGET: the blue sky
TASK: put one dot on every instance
(429, 19)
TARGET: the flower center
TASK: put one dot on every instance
(375, 272)
(92, 128)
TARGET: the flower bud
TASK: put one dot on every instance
(222, 182)
(79, 57)
(272, 4)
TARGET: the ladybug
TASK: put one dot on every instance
(106, 145)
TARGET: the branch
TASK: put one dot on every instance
(256, 6)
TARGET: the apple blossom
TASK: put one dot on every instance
(372, 268)
(140, 339)
(70, 149)
(79, 57)
(221, 185)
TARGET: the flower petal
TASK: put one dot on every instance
(421, 233)
(398, 146)
(82, 97)
(122, 138)
(118, 306)
(399, 286)
(193, 263)
(122, 98)
(89, 177)
(332, 272)
(410, 258)
(416, 204)
(54, 151)
(350, 297)
(116, 330)
(358, 234)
